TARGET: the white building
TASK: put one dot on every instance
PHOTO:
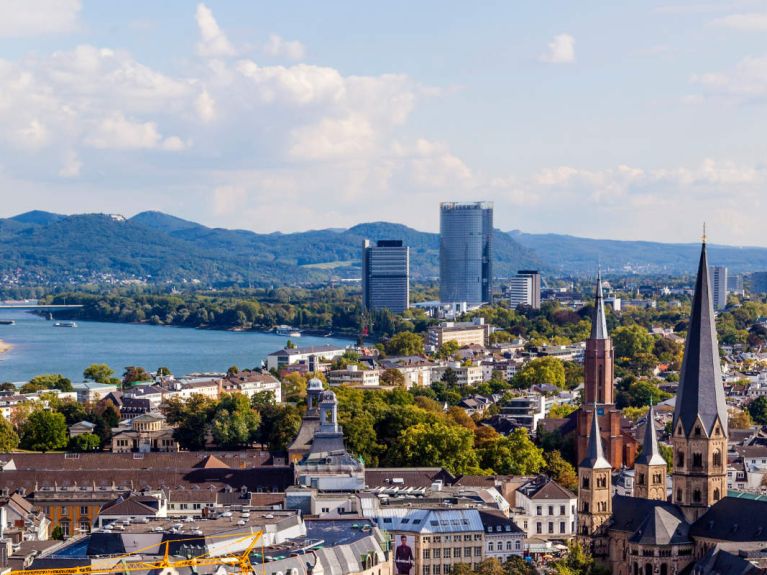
(311, 356)
(545, 509)
(465, 374)
(503, 538)
(353, 375)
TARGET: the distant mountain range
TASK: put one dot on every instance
(44, 247)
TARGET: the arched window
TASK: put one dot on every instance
(717, 458)
(679, 495)
(680, 458)
(585, 483)
(697, 460)
(717, 495)
(640, 479)
(696, 496)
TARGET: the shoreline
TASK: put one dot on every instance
(5, 346)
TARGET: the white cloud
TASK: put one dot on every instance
(747, 80)
(279, 47)
(213, 42)
(561, 50)
(71, 165)
(19, 18)
(753, 21)
(116, 132)
(206, 107)
(229, 199)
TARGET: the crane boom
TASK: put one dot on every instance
(242, 561)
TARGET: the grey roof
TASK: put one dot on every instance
(720, 562)
(650, 453)
(416, 520)
(742, 519)
(595, 457)
(700, 392)
(598, 320)
(629, 513)
(663, 526)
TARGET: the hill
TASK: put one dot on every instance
(48, 248)
(569, 254)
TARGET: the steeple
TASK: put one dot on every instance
(650, 452)
(595, 457)
(599, 320)
(701, 393)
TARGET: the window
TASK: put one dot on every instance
(640, 479)
(508, 546)
(696, 496)
(717, 495)
(551, 510)
(446, 568)
(426, 570)
(697, 460)
(584, 484)
(697, 430)
(551, 527)
(490, 546)
(83, 510)
(539, 527)
(426, 553)
(539, 510)
(437, 553)
(457, 552)
(326, 509)
(561, 526)
(562, 510)
(585, 506)
(680, 458)
(679, 495)
(466, 552)
(446, 553)
(85, 527)
(436, 570)
(717, 458)
(478, 552)
(516, 545)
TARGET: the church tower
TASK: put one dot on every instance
(599, 388)
(594, 485)
(650, 467)
(699, 432)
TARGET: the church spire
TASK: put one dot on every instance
(599, 320)
(701, 393)
(595, 457)
(650, 452)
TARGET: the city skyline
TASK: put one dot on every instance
(224, 112)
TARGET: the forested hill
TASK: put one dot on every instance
(43, 247)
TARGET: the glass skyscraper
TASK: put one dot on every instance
(385, 276)
(466, 252)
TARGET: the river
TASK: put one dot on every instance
(38, 347)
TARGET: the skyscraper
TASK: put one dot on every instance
(525, 289)
(718, 286)
(385, 276)
(465, 252)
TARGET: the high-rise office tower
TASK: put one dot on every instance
(466, 252)
(525, 289)
(735, 284)
(385, 276)
(718, 276)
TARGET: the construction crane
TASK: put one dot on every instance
(123, 564)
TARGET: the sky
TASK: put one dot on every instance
(606, 119)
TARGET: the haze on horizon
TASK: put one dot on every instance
(633, 120)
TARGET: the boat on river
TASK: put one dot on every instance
(65, 324)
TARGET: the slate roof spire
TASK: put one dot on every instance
(650, 452)
(700, 392)
(595, 456)
(599, 320)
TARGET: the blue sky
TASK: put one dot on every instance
(630, 120)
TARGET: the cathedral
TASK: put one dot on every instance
(700, 528)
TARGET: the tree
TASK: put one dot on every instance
(9, 439)
(98, 372)
(561, 410)
(405, 343)
(279, 423)
(449, 377)
(561, 470)
(85, 442)
(47, 381)
(134, 374)
(739, 419)
(758, 410)
(393, 378)
(72, 411)
(541, 370)
(458, 416)
(437, 444)
(639, 393)
(8, 386)
(235, 424)
(577, 561)
(164, 372)
(44, 431)
(632, 340)
(57, 533)
(294, 387)
(514, 454)
(447, 349)
(191, 418)
(232, 371)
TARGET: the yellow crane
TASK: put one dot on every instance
(123, 564)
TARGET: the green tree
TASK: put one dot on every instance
(9, 439)
(632, 340)
(235, 424)
(294, 387)
(758, 410)
(437, 444)
(541, 370)
(739, 419)
(164, 372)
(514, 454)
(561, 470)
(191, 418)
(98, 372)
(405, 343)
(73, 411)
(57, 533)
(44, 431)
(47, 381)
(85, 442)
(279, 424)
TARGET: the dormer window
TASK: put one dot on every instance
(697, 431)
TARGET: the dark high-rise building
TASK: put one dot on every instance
(385, 276)
(466, 252)
(759, 282)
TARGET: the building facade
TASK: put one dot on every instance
(718, 275)
(385, 276)
(466, 252)
(525, 289)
